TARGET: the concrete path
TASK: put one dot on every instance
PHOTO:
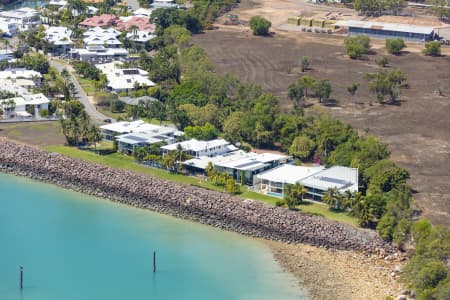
(95, 115)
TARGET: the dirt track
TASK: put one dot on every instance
(418, 131)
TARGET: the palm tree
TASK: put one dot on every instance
(134, 30)
(332, 197)
(94, 136)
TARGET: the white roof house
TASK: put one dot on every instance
(98, 54)
(19, 73)
(317, 179)
(143, 12)
(58, 35)
(290, 174)
(198, 148)
(140, 36)
(122, 80)
(8, 29)
(97, 36)
(39, 101)
(25, 18)
(342, 178)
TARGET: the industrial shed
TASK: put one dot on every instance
(390, 30)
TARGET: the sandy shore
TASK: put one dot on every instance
(335, 275)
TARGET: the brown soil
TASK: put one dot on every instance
(339, 275)
(417, 131)
(33, 133)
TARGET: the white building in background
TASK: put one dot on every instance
(6, 55)
(317, 179)
(25, 18)
(144, 12)
(38, 101)
(60, 39)
(8, 29)
(124, 80)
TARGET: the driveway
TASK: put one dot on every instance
(95, 115)
(133, 3)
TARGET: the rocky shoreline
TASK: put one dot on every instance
(208, 207)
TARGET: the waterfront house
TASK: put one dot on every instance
(21, 104)
(317, 180)
(113, 130)
(198, 148)
(59, 38)
(147, 135)
(124, 79)
(24, 18)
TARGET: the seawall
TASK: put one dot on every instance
(208, 207)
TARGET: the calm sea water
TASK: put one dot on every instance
(73, 246)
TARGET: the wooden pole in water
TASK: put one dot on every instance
(21, 277)
(154, 261)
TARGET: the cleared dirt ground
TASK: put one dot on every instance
(418, 131)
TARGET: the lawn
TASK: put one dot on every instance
(117, 160)
(87, 85)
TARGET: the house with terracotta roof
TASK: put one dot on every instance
(104, 20)
(141, 22)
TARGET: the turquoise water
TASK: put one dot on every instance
(77, 247)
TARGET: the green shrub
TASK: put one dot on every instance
(43, 113)
(432, 48)
(356, 46)
(260, 25)
(395, 46)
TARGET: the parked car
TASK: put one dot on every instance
(107, 120)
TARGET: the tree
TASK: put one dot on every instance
(356, 46)
(439, 8)
(260, 25)
(395, 45)
(305, 63)
(322, 89)
(333, 198)
(432, 48)
(385, 83)
(302, 147)
(94, 135)
(293, 194)
(352, 88)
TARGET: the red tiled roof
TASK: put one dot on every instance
(102, 20)
(143, 23)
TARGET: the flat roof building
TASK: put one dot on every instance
(198, 148)
(59, 38)
(25, 18)
(390, 30)
(317, 179)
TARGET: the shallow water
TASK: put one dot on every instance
(29, 3)
(73, 246)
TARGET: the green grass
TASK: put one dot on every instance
(87, 85)
(113, 115)
(120, 161)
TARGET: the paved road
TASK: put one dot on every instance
(95, 115)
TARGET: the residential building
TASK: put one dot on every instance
(147, 135)
(141, 22)
(124, 80)
(245, 166)
(15, 74)
(25, 18)
(164, 4)
(316, 179)
(38, 101)
(7, 28)
(390, 30)
(104, 20)
(113, 130)
(6, 55)
(145, 12)
(198, 148)
(99, 54)
(106, 37)
(59, 39)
